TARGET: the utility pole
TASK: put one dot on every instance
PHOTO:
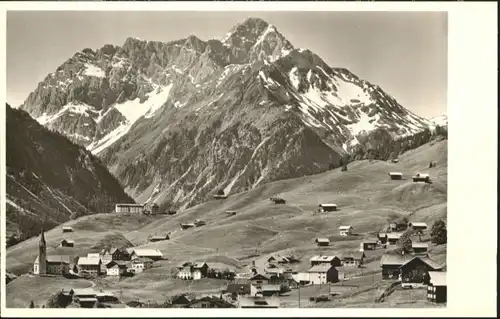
(299, 294)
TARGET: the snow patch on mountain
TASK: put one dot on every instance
(72, 108)
(441, 120)
(92, 70)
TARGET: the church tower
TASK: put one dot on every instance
(42, 255)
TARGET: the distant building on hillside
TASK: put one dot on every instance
(187, 225)
(345, 230)
(393, 238)
(89, 265)
(397, 226)
(152, 209)
(367, 245)
(142, 263)
(329, 260)
(277, 200)
(67, 243)
(161, 237)
(418, 226)
(119, 254)
(323, 241)
(420, 248)
(55, 265)
(396, 175)
(153, 254)
(322, 274)
(382, 238)
(129, 208)
(327, 207)
(354, 258)
(437, 288)
(67, 229)
(116, 268)
(421, 178)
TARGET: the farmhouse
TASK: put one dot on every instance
(419, 248)
(153, 254)
(421, 178)
(323, 241)
(156, 238)
(354, 258)
(277, 200)
(391, 264)
(392, 238)
(187, 225)
(230, 212)
(67, 229)
(185, 273)
(397, 226)
(86, 297)
(116, 268)
(55, 264)
(322, 274)
(119, 254)
(327, 207)
(142, 263)
(193, 271)
(328, 260)
(418, 226)
(152, 209)
(234, 291)
(259, 280)
(67, 243)
(396, 175)
(415, 270)
(201, 267)
(89, 265)
(129, 208)
(382, 238)
(436, 289)
(367, 245)
(278, 259)
(199, 223)
(345, 230)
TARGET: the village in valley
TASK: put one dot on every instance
(239, 256)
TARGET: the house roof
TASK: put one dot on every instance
(87, 299)
(164, 236)
(69, 241)
(418, 224)
(185, 269)
(373, 242)
(327, 205)
(345, 227)
(322, 240)
(437, 278)
(119, 263)
(199, 264)
(271, 287)
(238, 288)
(423, 175)
(382, 235)
(259, 276)
(419, 245)
(278, 258)
(84, 292)
(431, 263)
(67, 227)
(320, 268)
(142, 260)
(394, 235)
(65, 259)
(148, 252)
(89, 261)
(395, 173)
(213, 300)
(323, 258)
(93, 255)
(396, 260)
(357, 255)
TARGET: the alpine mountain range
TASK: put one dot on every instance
(176, 121)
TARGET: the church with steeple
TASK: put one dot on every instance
(50, 264)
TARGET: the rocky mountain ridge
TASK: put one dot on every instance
(175, 121)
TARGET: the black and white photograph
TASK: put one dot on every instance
(227, 159)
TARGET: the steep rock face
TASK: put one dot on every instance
(175, 121)
(51, 180)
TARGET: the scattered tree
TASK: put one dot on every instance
(405, 241)
(32, 304)
(220, 191)
(439, 233)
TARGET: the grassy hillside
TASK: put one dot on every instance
(365, 195)
(50, 179)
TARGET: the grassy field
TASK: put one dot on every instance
(365, 195)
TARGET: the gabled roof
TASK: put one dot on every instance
(395, 260)
(423, 175)
(394, 235)
(93, 255)
(357, 255)
(199, 264)
(259, 276)
(323, 258)
(320, 268)
(67, 227)
(213, 300)
(119, 263)
(84, 292)
(418, 224)
(419, 245)
(395, 173)
(89, 261)
(69, 241)
(148, 253)
(437, 278)
(432, 264)
(164, 236)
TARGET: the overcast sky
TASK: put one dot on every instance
(403, 52)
